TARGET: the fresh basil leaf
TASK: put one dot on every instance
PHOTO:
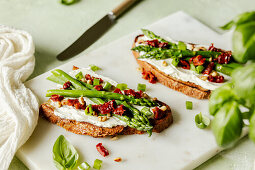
(240, 19)
(244, 80)
(244, 42)
(220, 96)
(64, 154)
(252, 126)
(227, 124)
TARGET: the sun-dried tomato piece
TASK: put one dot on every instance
(101, 149)
(212, 48)
(209, 68)
(120, 110)
(216, 79)
(158, 113)
(133, 93)
(67, 85)
(184, 64)
(163, 45)
(56, 98)
(224, 58)
(153, 43)
(107, 107)
(117, 91)
(197, 60)
(75, 103)
(147, 75)
(98, 87)
(75, 68)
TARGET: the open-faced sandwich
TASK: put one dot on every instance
(194, 70)
(90, 104)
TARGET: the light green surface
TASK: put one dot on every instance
(54, 26)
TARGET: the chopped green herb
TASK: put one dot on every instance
(175, 62)
(122, 86)
(79, 76)
(202, 121)
(94, 67)
(68, 2)
(192, 67)
(89, 110)
(189, 105)
(96, 82)
(199, 69)
(141, 87)
(107, 86)
(84, 166)
(97, 164)
(182, 45)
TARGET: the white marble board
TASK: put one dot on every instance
(181, 146)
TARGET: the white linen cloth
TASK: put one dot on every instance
(18, 105)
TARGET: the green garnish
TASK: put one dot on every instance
(107, 86)
(84, 166)
(189, 105)
(192, 67)
(199, 69)
(94, 67)
(79, 75)
(202, 121)
(175, 62)
(97, 164)
(64, 154)
(122, 86)
(182, 45)
(141, 87)
(96, 82)
(68, 2)
(89, 110)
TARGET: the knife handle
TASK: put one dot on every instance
(122, 7)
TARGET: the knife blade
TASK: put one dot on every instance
(95, 32)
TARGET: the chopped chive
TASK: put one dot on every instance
(122, 86)
(68, 2)
(84, 166)
(192, 67)
(199, 69)
(79, 76)
(97, 164)
(96, 82)
(141, 87)
(175, 62)
(94, 67)
(202, 121)
(189, 105)
(182, 45)
(107, 86)
(89, 110)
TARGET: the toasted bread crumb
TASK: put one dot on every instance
(114, 138)
(163, 108)
(154, 99)
(140, 41)
(118, 159)
(203, 78)
(58, 105)
(139, 69)
(164, 63)
(102, 118)
(83, 80)
(81, 100)
(214, 73)
(89, 82)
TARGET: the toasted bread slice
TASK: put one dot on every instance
(84, 128)
(188, 88)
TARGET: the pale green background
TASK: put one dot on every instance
(54, 26)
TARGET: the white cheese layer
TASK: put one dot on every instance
(180, 73)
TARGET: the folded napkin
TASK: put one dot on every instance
(18, 105)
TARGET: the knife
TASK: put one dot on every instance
(95, 32)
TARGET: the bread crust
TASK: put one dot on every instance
(84, 128)
(188, 88)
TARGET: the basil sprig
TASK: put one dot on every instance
(243, 39)
(64, 154)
